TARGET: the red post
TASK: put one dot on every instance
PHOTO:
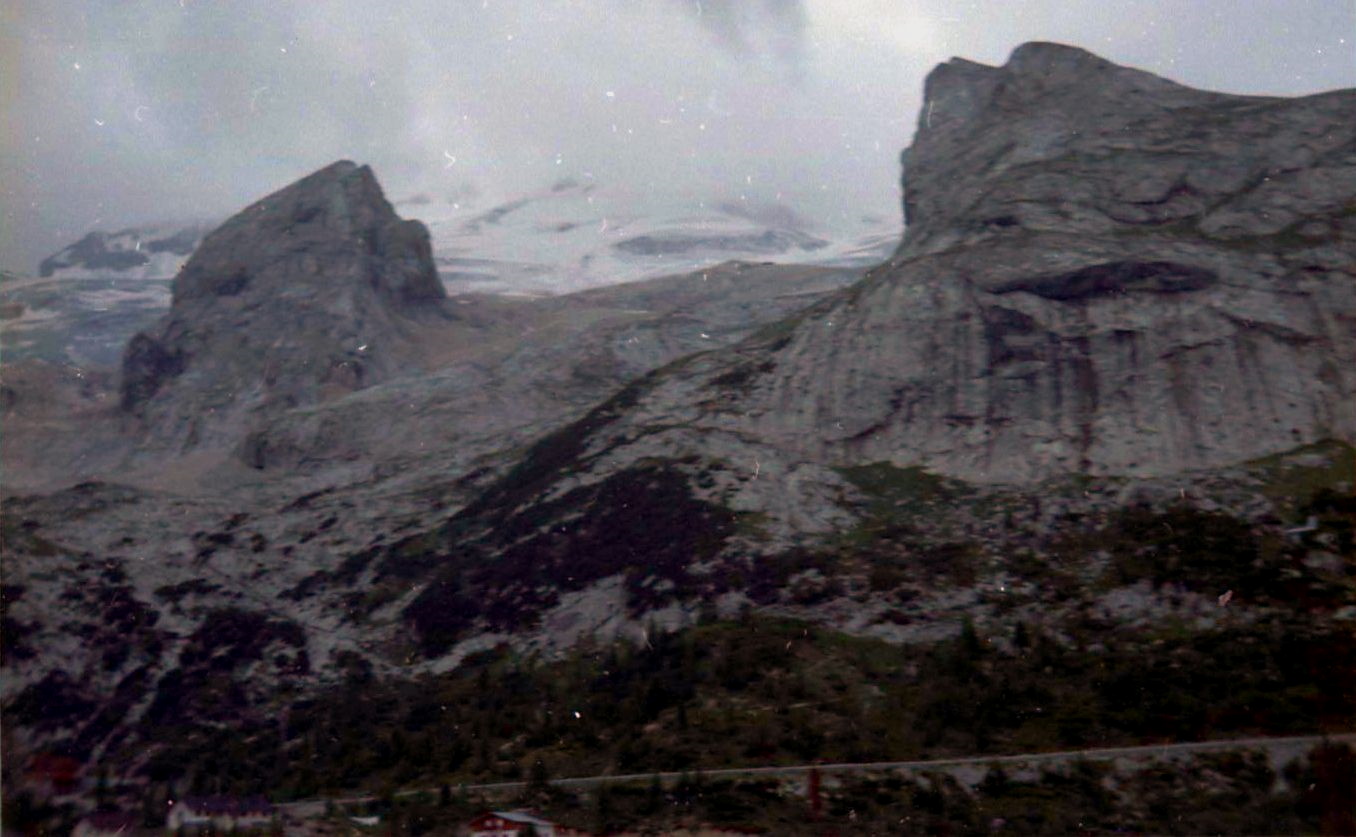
(814, 794)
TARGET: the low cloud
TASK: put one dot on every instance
(128, 112)
(762, 29)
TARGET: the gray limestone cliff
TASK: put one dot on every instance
(1103, 272)
(309, 293)
(1111, 289)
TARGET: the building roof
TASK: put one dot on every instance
(522, 817)
(519, 817)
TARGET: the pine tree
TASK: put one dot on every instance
(153, 806)
(538, 779)
(969, 640)
(602, 808)
(654, 795)
(101, 792)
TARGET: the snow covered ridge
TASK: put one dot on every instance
(570, 236)
(134, 253)
(583, 234)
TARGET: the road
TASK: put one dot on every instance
(1297, 744)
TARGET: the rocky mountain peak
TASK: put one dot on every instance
(339, 212)
(308, 293)
(1104, 272)
(1048, 101)
(145, 252)
(1059, 65)
(960, 88)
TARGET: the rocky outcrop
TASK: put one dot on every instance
(309, 293)
(1104, 275)
(1091, 284)
(1103, 272)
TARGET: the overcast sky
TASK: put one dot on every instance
(118, 112)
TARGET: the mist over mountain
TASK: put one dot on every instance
(1070, 466)
(147, 111)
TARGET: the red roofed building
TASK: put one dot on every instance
(219, 813)
(515, 823)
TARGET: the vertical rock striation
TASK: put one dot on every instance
(1103, 271)
(309, 293)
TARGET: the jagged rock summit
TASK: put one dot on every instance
(314, 291)
(1103, 272)
(152, 252)
(1107, 280)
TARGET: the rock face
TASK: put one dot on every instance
(1103, 272)
(311, 292)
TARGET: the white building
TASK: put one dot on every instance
(219, 813)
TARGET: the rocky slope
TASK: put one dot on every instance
(1097, 405)
(501, 372)
(313, 291)
(1103, 272)
(1107, 277)
(512, 369)
(1115, 275)
(167, 548)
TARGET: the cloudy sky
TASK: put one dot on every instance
(117, 112)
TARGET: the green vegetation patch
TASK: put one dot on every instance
(891, 487)
(1211, 552)
(898, 538)
(1199, 550)
(1292, 479)
(763, 692)
(642, 522)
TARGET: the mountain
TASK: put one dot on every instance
(1073, 466)
(1113, 290)
(149, 252)
(231, 377)
(1103, 272)
(580, 234)
(94, 295)
(571, 235)
(313, 291)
